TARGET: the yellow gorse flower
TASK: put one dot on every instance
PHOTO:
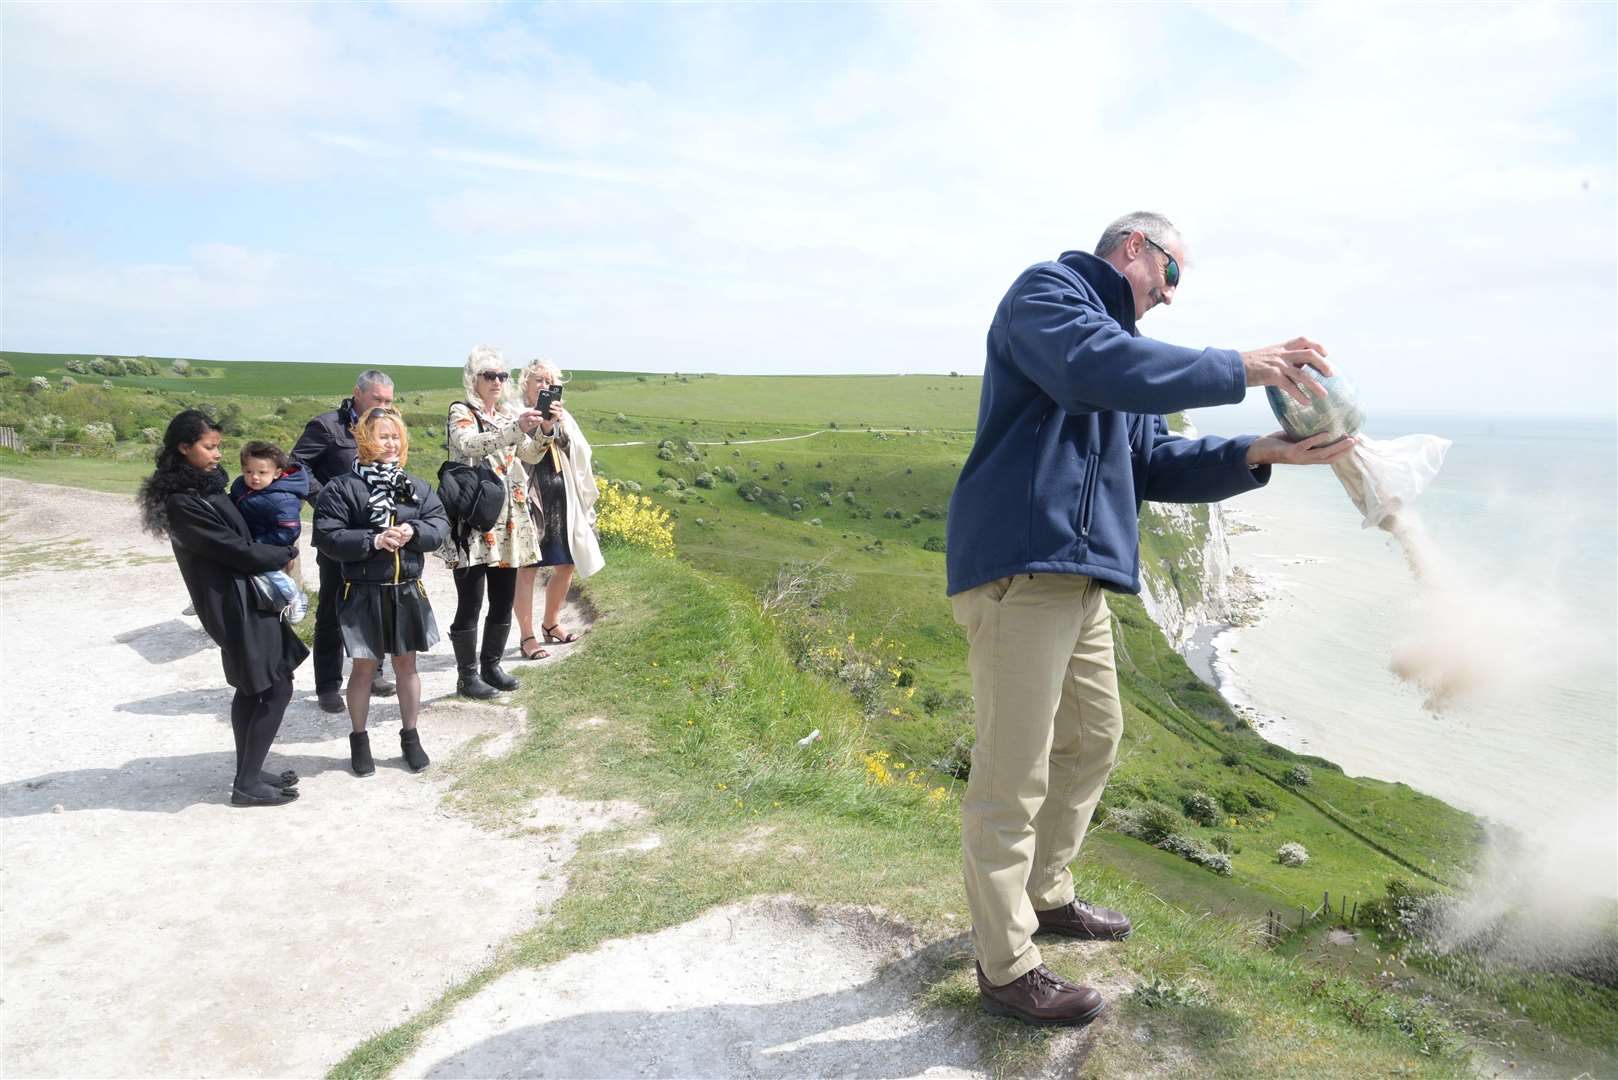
(633, 519)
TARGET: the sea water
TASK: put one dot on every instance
(1525, 512)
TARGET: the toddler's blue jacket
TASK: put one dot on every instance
(272, 513)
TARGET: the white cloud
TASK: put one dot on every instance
(1393, 181)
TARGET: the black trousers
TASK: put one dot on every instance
(469, 588)
(328, 635)
(254, 721)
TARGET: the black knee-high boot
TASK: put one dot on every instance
(494, 646)
(468, 683)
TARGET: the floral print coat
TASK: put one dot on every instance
(506, 449)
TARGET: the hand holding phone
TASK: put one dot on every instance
(548, 397)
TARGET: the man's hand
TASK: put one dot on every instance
(1282, 366)
(1277, 449)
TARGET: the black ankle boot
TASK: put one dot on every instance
(468, 683)
(359, 753)
(414, 755)
(494, 645)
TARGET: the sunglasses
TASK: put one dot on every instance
(494, 376)
(1171, 272)
(379, 413)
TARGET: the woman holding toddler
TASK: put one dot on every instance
(186, 500)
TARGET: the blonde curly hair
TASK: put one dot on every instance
(486, 358)
(535, 368)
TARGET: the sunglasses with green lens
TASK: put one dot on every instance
(1171, 272)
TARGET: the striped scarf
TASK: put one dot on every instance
(387, 485)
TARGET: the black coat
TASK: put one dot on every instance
(344, 530)
(326, 447)
(217, 555)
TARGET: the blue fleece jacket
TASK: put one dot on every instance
(1070, 434)
(272, 513)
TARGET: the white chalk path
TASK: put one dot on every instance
(149, 928)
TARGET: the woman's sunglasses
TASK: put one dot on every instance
(379, 413)
(1171, 272)
(494, 376)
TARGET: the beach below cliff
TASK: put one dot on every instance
(1332, 605)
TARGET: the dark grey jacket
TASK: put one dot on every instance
(326, 448)
(344, 531)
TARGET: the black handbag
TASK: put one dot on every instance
(473, 495)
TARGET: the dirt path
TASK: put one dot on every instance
(148, 928)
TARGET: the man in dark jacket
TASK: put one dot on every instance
(1070, 440)
(326, 451)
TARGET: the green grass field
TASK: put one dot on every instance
(711, 692)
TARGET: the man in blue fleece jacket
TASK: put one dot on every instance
(1043, 521)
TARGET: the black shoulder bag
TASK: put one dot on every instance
(473, 495)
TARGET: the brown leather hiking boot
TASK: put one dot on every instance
(1040, 997)
(1083, 920)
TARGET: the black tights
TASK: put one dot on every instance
(469, 596)
(254, 720)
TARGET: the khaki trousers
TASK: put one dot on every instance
(1048, 725)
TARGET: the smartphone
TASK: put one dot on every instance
(546, 397)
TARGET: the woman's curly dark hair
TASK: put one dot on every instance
(174, 473)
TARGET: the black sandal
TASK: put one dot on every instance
(283, 780)
(526, 655)
(557, 639)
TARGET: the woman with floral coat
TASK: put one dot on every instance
(487, 428)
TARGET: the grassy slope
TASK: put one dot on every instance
(705, 708)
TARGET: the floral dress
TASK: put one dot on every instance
(499, 443)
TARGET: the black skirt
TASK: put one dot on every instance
(386, 620)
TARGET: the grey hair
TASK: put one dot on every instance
(485, 358)
(370, 380)
(1159, 228)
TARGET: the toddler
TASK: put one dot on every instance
(270, 494)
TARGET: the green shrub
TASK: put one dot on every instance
(1298, 776)
(933, 543)
(98, 436)
(1260, 800)
(1151, 821)
(1191, 851)
(1200, 807)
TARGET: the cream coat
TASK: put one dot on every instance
(578, 478)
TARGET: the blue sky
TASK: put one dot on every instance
(802, 188)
